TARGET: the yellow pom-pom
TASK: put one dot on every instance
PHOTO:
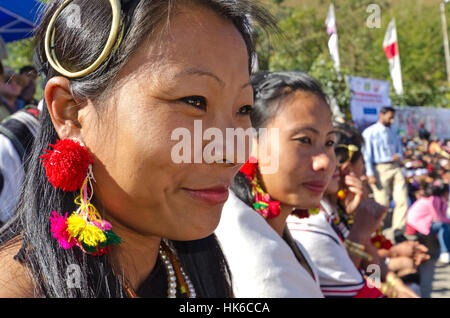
(92, 235)
(75, 224)
(341, 194)
(314, 211)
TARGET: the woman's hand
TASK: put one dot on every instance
(400, 290)
(367, 220)
(402, 265)
(355, 193)
(396, 288)
(411, 249)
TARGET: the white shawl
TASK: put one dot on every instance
(261, 262)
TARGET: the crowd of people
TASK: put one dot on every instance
(19, 125)
(88, 177)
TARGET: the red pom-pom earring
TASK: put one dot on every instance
(69, 167)
(66, 166)
(263, 203)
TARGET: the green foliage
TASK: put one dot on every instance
(360, 47)
(333, 84)
(20, 53)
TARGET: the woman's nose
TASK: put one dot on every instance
(323, 161)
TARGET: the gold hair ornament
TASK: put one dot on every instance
(112, 42)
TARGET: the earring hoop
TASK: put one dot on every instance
(112, 39)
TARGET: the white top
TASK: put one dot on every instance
(338, 276)
(262, 264)
(13, 176)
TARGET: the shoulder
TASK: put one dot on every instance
(369, 130)
(422, 202)
(14, 279)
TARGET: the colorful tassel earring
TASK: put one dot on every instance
(263, 203)
(69, 167)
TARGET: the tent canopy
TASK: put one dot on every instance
(18, 18)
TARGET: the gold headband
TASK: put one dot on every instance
(351, 151)
(112, 43)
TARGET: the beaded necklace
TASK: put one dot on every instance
(175, 274)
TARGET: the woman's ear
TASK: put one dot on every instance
(62, 107)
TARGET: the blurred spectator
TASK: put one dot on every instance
(29, 76)
(428, 216)
(4, 109)
(383, 154)
(10, 90)
(17, 133)
(423, 133)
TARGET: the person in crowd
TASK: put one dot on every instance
(428, 215)
(29, 77)
(292, 161)
(17, 134)
(339, 238)
(6, 107)
(103, 197)
(383, 154)
(10, 91)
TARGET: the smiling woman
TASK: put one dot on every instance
(172, 63)
(264, 259)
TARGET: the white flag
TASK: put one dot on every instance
(390, 46)
(330, 22)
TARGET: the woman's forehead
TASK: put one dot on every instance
(303, 110)
(196, 36)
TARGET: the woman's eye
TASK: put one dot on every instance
(245, 110)
(304, 140)
(196, 101)
(330, 143)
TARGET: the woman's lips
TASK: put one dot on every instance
(317, 187)
(212, 196)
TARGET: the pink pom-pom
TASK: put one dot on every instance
(58, 227)
(66, 166)
(103, 225)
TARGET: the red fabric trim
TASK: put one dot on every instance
(369, 292)
(340, 291)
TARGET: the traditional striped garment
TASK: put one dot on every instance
(322, 236)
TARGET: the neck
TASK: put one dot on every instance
(279, 223)
(383, 123)
(136, 257)
(332, 199)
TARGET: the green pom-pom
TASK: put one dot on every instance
(111, 239)
(89, 249)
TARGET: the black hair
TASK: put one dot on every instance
(347, 134)
(26, 69)
(76, 48)
(436, 188)
(387, 109)
(271, 89)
